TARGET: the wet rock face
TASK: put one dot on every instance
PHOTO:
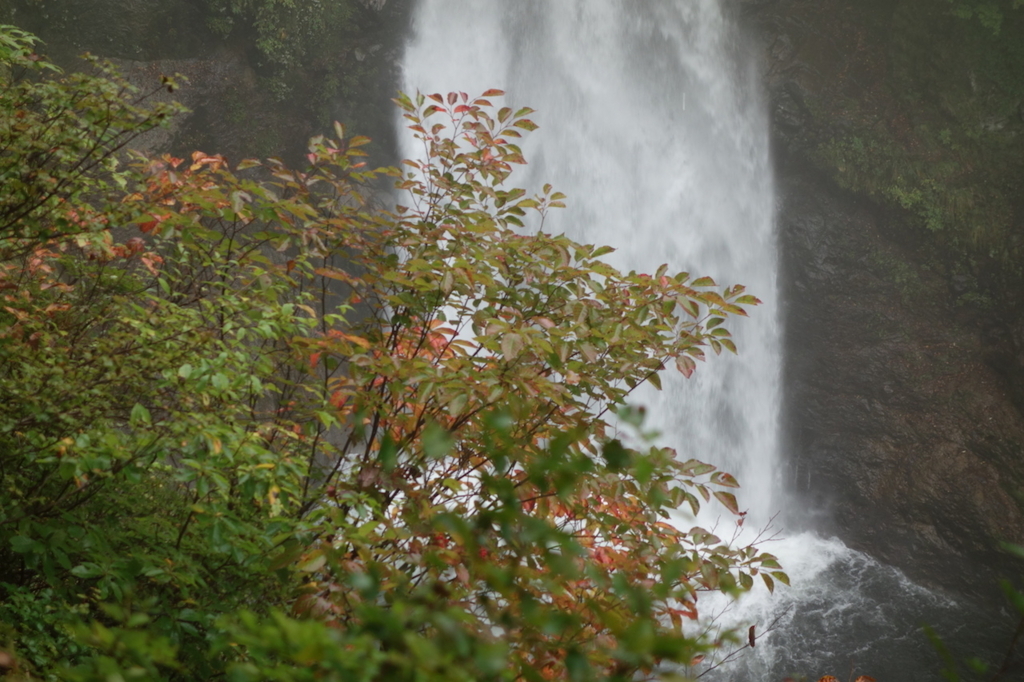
(898, 428)
(905, 432)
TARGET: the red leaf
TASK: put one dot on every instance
(686, 365)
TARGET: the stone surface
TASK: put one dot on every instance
(904, 432)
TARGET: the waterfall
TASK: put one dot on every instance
(652, 122)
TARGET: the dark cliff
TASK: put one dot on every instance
(898, 150)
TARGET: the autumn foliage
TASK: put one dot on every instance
(263, 424)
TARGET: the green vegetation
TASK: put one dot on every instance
(288, 35)
(253, 428)
(319, 50)
(974, 668)
(269, 73)
(988, 13)
(931, 102)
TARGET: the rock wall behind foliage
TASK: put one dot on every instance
(260, 80)
(905, 431)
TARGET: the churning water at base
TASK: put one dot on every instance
(651, 121)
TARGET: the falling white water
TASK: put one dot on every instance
(651, 121)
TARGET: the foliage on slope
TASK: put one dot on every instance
(920, 106)
(283, 70)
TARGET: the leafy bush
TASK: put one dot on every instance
(254, 426)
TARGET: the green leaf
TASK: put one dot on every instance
(87, 571)
(457, 404)
(437, 441)
(288, 555)
(388, 454)
(24, 545)
(511, 346)
(140, 415)
(729, 500)
(655, 380)
(616, 456)
(1015, 550)
(313, 562)
(690, 306)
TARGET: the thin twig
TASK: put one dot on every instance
(736, 652)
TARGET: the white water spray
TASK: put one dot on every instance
(651, 121)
